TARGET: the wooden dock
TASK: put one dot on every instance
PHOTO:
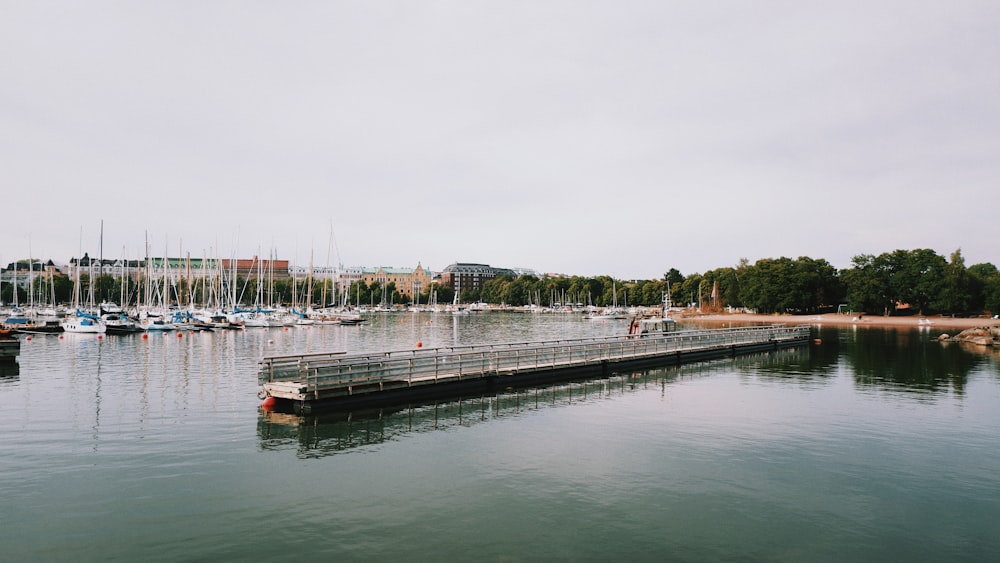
(326, 379)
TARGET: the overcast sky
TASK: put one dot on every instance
(585, 138)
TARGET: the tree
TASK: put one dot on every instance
(916, 277)
(984, 281)
(689, 289)
(903, 277)
(765, 286)
(726, 282)
(673, 276)
(955, 296)
(867, 285)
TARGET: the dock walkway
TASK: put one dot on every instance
(312, 379)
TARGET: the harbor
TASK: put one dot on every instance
(304, 382)
(163, 436)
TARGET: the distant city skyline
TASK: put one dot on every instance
(318, 269)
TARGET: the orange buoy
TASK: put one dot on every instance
(420, 344)
(268, 404)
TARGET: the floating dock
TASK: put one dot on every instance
(307, 381)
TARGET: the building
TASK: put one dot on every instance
(96, 267)
(194, 267)
(409, 282)
(462, 276)
(25, 272)
(253, 267)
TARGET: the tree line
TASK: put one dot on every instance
(893, 283)
(899, 282)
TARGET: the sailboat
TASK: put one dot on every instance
(116, 321)
(79, 321)
(456, 306)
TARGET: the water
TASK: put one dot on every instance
(876, 445)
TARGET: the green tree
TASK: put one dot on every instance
(765, 286)
(689, 289)
(985, 283)
(916, 277)
(955, 296)
(867, 285)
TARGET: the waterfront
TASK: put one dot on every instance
(877, 444)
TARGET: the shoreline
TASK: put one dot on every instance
(837, 319)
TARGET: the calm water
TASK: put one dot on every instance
(875, 445)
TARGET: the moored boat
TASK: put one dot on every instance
(83, 323)
(157, 325)
(120, 323)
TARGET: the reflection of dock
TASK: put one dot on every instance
(10, 347)
(330, 432)
(392, 377)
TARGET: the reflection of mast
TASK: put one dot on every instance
(97, 397)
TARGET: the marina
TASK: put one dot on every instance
(307, 381)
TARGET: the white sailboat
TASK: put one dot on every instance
(83, 323)
(78, 321)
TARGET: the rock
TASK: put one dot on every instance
(983, 336)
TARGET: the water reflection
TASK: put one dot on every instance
(907, 360)
(9, 372)
(816, 361)
(329, 433)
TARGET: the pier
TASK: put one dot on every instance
(308, 381)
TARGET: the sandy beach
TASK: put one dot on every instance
(936, 322)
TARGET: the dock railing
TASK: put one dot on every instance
(313, 373)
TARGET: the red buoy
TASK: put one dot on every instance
(420, 344)
(180, 335)
(145, 336)
(100, 336)
(28, 338)
(268, 404)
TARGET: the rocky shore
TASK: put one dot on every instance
(981, 336)
(936, 322)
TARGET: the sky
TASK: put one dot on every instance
(571, 137)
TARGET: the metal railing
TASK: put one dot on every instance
(326, 371)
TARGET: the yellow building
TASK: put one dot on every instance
(409, 282)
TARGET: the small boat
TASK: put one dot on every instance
(83, 323)
(119, 323)
(158, 325)
(660, 323)
(116, 320)
(651, 325)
